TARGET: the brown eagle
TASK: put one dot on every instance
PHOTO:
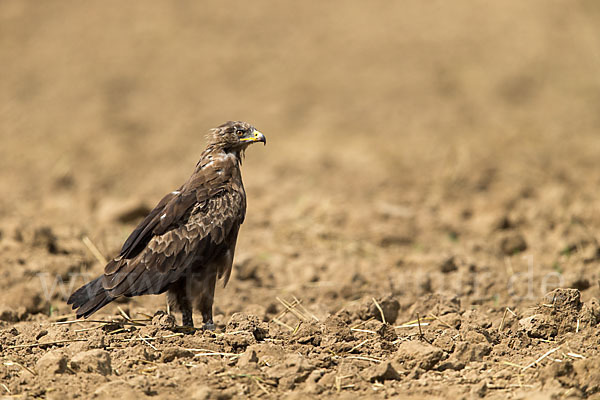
(188, 240)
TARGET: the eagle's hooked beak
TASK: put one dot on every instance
(256, 137)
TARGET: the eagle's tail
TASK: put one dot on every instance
(90, 298)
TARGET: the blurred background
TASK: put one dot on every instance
(399, 134)
(438, 156)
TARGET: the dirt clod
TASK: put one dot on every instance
(53, 362)
(96, 361)
(448, 265)
(240, 322)
(381, 372)
(414, 353)
(8, 314)
(45, 238)
(539, 326)
(465, 352)
(562, 311)
(163, 320)
(248, 358)
(295, 369)
(389, 306)
(119, 389)
(171, 353)
(513, 243)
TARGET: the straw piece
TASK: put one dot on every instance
(380, 310)
(94, 250)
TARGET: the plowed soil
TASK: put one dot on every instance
(423, 222)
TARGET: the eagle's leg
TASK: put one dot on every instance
(204, 301)
(179, 298)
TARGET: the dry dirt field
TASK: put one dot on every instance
(423, 222)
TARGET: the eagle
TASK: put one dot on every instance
(188, 240)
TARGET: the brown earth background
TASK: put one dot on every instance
(435, 160)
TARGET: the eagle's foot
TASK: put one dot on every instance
(209, 326)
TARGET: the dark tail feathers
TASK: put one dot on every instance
(90, 298)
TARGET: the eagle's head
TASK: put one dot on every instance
(235, 136)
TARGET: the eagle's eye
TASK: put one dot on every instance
(240, 132)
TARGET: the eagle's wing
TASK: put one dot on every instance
(185, 227)
(172, 210)
(140, 236)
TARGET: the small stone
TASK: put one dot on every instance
(53, 362)
(97, 361)
(41, 334)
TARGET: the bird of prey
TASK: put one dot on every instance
(188, 240)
